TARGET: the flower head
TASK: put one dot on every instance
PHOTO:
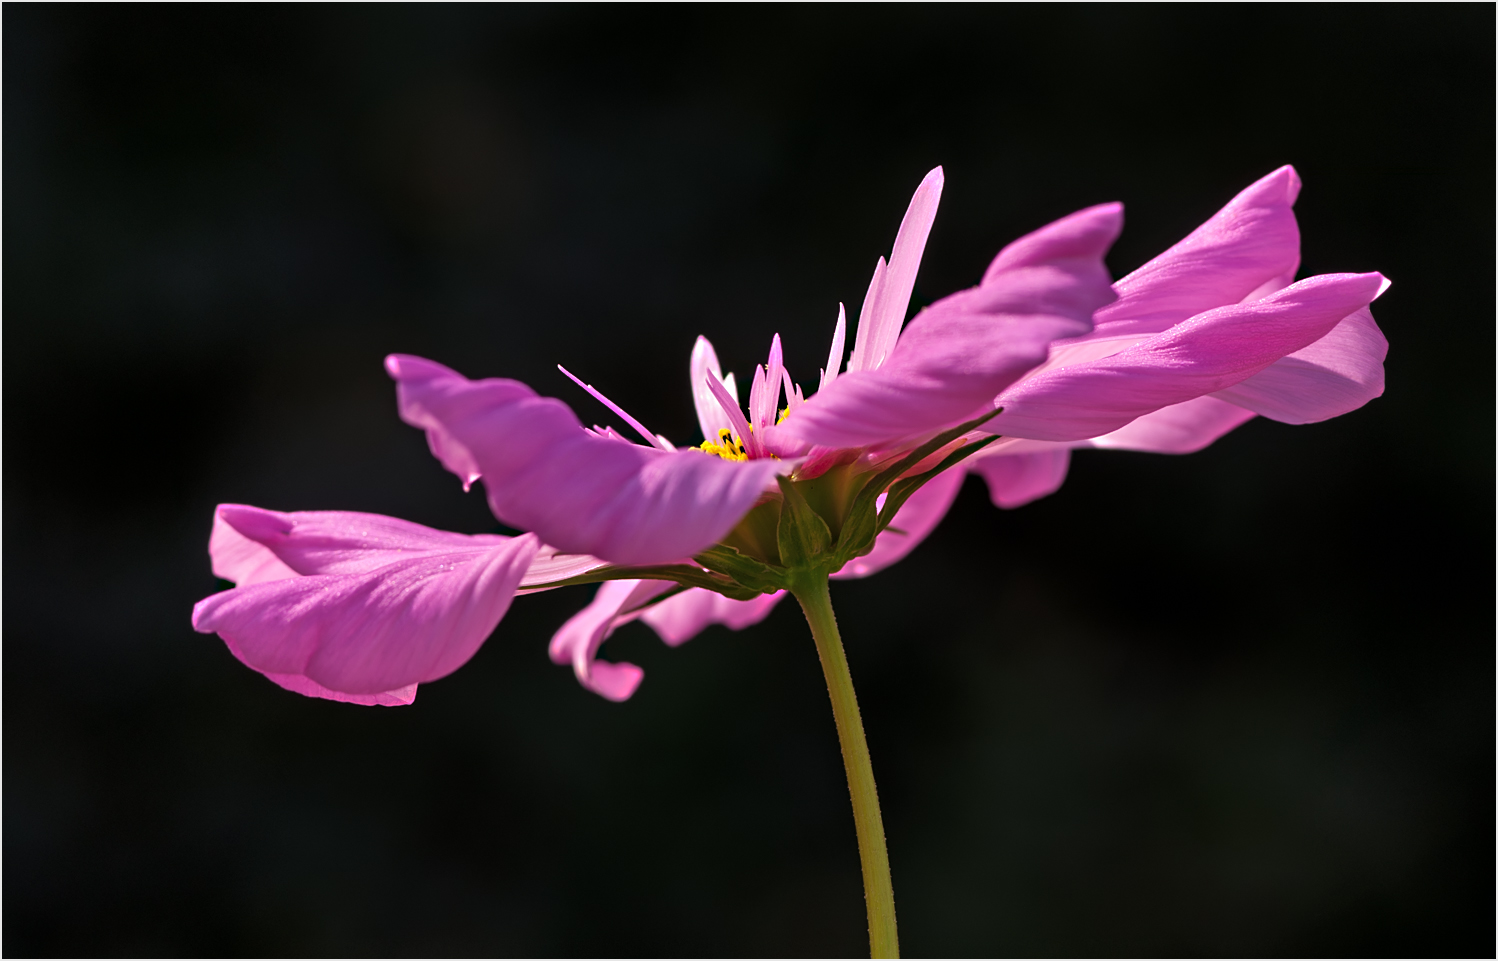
(1042, 356)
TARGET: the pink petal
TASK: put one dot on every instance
(399, 697)
(578, 640)
(336, 542)
(1208, 353)
(866, 315)
(1178, 429)
(240, 559)
(916, 519)
(654, 440)
(1251, 242)
(679, 619)
(710, 416)
(773, 373)
(835, 352)
(1017, 479)
(250, 545)
(958, 354)
(889, 295)
(580, 493)
(376, 629)
(550, 565)
(1338, 373)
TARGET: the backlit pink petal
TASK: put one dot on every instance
(835, 352)
(580, 493)
(250, 545)
(679, 619)
(958, 354)
(774, 373)
(550, 565)
(862, 345)
(917, 518)
(376, 629)
(578, 640)
(340, 542)
(1251, 242)
(1340, 372)
(757, 398)
(1208, 353)
(793, 398)
(1017, 479)
(399, 697)
(889, 297)
(710, 416)
(240, 559)
(738, 424)
(775, 440)
(1178, 429)
(654, 440)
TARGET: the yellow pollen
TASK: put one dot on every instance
(727, 446)
(783, 412)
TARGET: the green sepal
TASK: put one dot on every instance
(803, 536)
(864, 523)
(900, 490)
(754, 535)
(831, 494)
(755, 576)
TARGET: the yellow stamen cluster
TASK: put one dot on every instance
(783, 412)
(727, 447)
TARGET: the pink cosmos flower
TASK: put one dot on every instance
(1004, 379)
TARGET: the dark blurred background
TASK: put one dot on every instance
(1239, 703)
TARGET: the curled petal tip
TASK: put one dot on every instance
(1384, 284)
(1291, 179)
(615, 681)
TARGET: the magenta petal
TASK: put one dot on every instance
(889, 293)
(550, 565)
(580, 493)
(338, 542)
(399, 697)
(382, 628)
(916, 518)
(679, 619)
(250, 545)
(577, 641)
(1250, 243)
(704, 362)
(1017, 479)
(1178, 429)
(1208, 353)
(958, 354)
(1340, 372)
(241, 559)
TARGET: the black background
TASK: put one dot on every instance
(1236, 703)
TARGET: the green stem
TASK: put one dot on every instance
(878, 892)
